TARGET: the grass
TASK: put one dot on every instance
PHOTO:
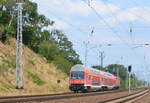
(6, 64)
(8, 86)
(10, 63)
(36, 79)
(31, 62)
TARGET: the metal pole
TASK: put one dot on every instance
(86, 52)
(101, 58)
(117, 71)
(136, 83)
(19, 51)
(126, 79)
(129, 82)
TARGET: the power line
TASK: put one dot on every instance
(139, 16)
(60, 18)
(135, 2)
(107, 24)
(101, 56)
(131, 27)
(101, 18)
(111, 28)
(116, 19)
(86, 52)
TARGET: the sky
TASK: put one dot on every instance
(110, 21)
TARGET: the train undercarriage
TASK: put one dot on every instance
(82, 88)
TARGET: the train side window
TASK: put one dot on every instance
(89, 77)
(103, 79)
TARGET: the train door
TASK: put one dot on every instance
(88, 77)
(95, 81)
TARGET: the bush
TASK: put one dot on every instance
(8, 86)
(63, 64)
(36, 79)
(6, 64)
(31, 62)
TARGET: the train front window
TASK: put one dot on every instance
(77, 75)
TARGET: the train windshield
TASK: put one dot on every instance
(77, 75)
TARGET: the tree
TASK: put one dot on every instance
(99, 67)
(113, 69)
(53, 45)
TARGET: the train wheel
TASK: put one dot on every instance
(84, 90)
(103, 88)
(76, 91)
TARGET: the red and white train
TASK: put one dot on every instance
(83, 78)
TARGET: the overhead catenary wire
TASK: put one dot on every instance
(80, 30)
(111, 28)
(139, 16)
(116, 19)
(144, 9)
(131, 26)
(60, 18)
(101, 18)
(107, 24)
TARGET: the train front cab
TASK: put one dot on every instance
(77, 78)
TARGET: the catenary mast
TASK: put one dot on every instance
(19, 51)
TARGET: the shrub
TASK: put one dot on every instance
(8, 86)
(6, 64)
(36, 78)
(63, 64)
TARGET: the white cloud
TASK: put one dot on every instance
(103, 8)
(64, 7)
(130, 15)
(67, 10)
(60, 24)
(75, 7)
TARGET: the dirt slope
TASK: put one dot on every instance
(39, 76)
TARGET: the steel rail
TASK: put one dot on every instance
(45, 97)
(27, 98)
(126, 99)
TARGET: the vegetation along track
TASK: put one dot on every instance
(127, 99)
(16, 99)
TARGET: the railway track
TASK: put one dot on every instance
(16, 99)
(127, 99)
(46, 97)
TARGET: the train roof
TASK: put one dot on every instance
(77, 67)
(80, 67)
